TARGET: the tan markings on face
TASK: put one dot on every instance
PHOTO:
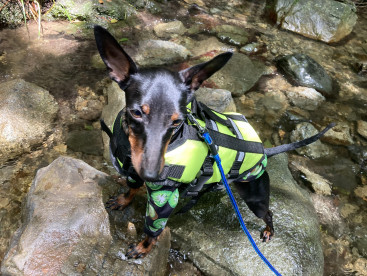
(174, 116)
(145, 108)
(136, 151)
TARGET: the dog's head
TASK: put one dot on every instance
(156, 100)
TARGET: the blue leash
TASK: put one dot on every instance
(203, 133)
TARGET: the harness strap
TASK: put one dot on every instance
(240, 156)
(204, 175)
(230, 142)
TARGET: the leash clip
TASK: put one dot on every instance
(204, 134)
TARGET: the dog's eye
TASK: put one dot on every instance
(136, 113)
(176, 123)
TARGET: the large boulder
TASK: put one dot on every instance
(328, 20)
(219, 100)
(67, 231)
(239, 74)
(214, 241)
(159, 52)
(115, 102)
(27, 112)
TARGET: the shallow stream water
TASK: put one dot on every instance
(61, 61)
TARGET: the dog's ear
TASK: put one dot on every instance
(195, 75)
(119, 64)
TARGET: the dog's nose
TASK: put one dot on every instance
(148, 175)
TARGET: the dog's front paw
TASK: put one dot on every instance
(119, 202)
(267, 234)
(142, 249)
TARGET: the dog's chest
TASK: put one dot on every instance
(191, 152)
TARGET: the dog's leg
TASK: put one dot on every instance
(256, 195)
(161, 202)
(121, 201)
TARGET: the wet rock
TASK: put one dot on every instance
(86, 141)
(250, 48)
(359, 155)
(27, 112)
(340, 171)
(361, 192)
(65, 223)
(360, 242)
(88, 105)
(221, 248)
(167, 30)
(239, 74)
(302, 70)
(116, 102)
(202, 47)
(250, 104)
(218, 99)
(232, 34)
(328, 21)
(275, 103)
(339, 135)
(319, 184)
(159, 52)
(362, 128)
(338, 256)
(66, 229)
(314, 150)
(329, 216)
(305, 98)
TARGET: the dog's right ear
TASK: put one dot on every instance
(119, 64)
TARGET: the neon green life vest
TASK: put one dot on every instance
(189, 153)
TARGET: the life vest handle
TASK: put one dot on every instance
(204, 134)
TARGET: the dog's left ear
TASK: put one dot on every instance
(195, 75)
(119, 64)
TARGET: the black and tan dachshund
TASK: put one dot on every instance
(153, 142)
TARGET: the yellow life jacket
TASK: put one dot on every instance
(187, 158)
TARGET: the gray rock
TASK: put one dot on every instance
(362, 128)
(202, 47)
(239, 74)
(27, 112)
(116, 102)
(360, 242)
(159, 52)
(67, 231)
(329, 216)
(328, 21)
(302, 70)
(339, 171)
(211, 234)
(319, 184)
(339, 135)
(359, 155)
(305, 98)
(218, 99)
(314, 150)
(86, 141)
(232, 34)
(166, 30)
(65, 223)
(250, 48)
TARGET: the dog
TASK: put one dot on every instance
(153, 142)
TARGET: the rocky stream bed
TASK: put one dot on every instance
(289, 76)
